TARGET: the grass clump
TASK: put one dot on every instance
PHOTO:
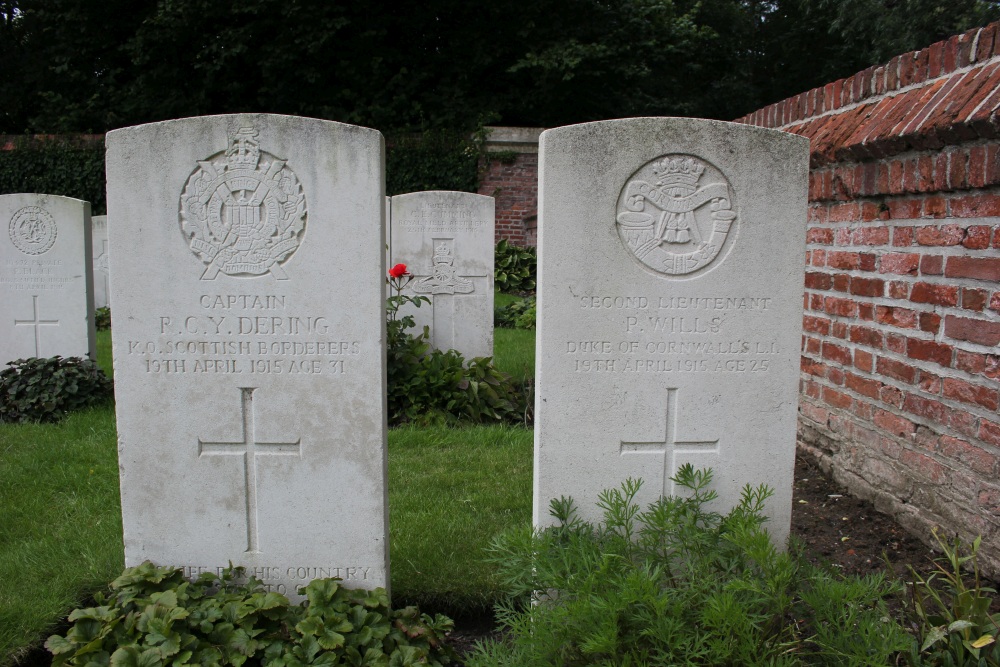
(675, 584)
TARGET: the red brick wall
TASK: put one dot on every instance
(900, 384)
(514, 185)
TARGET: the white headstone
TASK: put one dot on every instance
(670, 300)
(248, 347)
(46, 278)
(446, 241)
(100, 251)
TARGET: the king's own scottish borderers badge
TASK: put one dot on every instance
(32, 230)
(243, 211)
(675, 214)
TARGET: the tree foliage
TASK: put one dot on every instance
(79, 65)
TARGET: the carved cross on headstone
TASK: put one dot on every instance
(670, 446)
(36, 322)
(101, 266)
(249, 448)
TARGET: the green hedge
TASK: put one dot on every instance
(429, 161)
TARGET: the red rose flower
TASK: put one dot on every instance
(398, 271)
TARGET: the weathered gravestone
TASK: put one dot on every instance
(46, 278)
(248, 284)
(446, 241)
(100, 253)
(671, 270)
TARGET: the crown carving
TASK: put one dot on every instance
(678, 171)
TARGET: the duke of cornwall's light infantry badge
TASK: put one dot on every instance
(243, 210)
(32, 230)
(676, 214)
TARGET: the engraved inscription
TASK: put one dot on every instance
(676, 214)
(33, 275)
(243, 211)
(32, 230)
(670, 446)
(442, 218)
(249, 449)
(36, 322)
(273, 577)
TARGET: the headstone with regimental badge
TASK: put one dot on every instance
(251, 303)
(46, 278)
(101, 264)
(670, 300)
(446, 241)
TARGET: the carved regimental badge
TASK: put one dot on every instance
(676, 214)
(32, 230)
(445, 278)
(243, 211)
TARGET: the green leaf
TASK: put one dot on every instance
(934, 635)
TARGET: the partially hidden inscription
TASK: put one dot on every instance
(284, 579)
(32, 230)
(243, 211)
(676, 214)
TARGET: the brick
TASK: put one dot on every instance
(900, 263)
(902, 236)
(981, 332)
(973, 457)
(966, 392)
(863, 410)
(820, 281)
(895, 343)
(810, 366)
(891, 396)
(928, 350)
(989, 432)
(842, 307)
(977, 166)
(864, 361)
(939, 295)
(929, 383)
(945, 235)
(819, 258)
(992, 370)
(841, 282)
(868, 261)
(866, 336)
(932, 265)
(896, 317)
(924, 466)
(928, 408)
(898, 426)
(964, 422)
(846, 212)
(977, 237)
(995, 301)
(843, 236)
(871, 287)
(977, 268)
(905, 209)
(836, 353)
(819, 235)
(839, 330)
(970, 362)
(814, 412)
(866, 312)
(863, 386)
(974, 299)
(869, 211)
(930, 322)
(813, 345)
(870, 236)
(836, 376)
(975, 206)
(935, 207)
(899, 289)
(819, 325)
(837, 399)
(843, 260)
(896, 370)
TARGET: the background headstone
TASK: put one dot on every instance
(446, 241)
(249, 361)
(46, 278)
(670, 301)
(100, 245)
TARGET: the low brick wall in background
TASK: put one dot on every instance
(509, 173)
(900, 385)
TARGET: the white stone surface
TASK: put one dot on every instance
(100, 253)
(670, 301)
(248, 283)
(446, 241)
(46, 278)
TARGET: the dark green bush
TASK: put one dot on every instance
(46, 390)
(429, 386)
(434, 160)
(518, 315)
(154, 616)
(677, 584)
(102, 319)
(58, 166)
(514, 268)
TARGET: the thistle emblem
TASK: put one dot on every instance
(673, 221)
(243, 211)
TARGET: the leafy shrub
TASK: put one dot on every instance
(679, 585)
(519, 314)
(102, 319)
(514, 268)
(68, 166)
(427, 385)
(45, 390)
(154, 616)
(433, 160)
(952, 619)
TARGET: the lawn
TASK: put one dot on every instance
(451, 491)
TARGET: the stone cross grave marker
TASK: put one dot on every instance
(46, 278)
(249, 372)
(670, 309)
(446, 241)
(101, 264)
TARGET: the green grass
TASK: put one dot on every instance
(514, 352)
(451, 491)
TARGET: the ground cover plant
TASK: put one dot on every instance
(515, 268)
(513, 312)
(46, 390)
